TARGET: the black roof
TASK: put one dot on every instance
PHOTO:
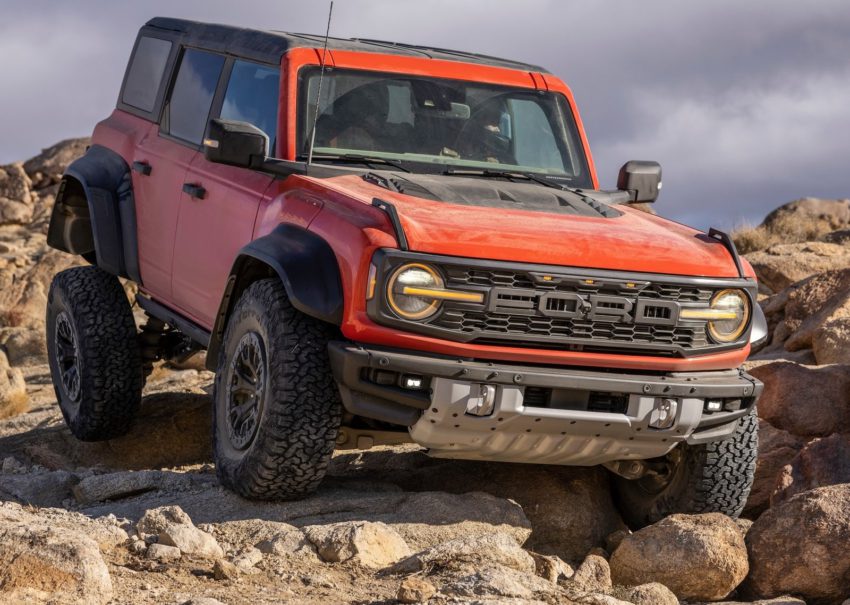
(270, 46)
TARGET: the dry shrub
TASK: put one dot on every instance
(783, 229)
(16, 404)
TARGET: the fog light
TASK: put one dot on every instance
(714, 405)
(482, 400)
(412, 382)
(663, 413)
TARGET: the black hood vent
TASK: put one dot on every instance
(492, 193)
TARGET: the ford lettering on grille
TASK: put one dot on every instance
(593, 307)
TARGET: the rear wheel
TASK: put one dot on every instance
(93, 353)
(713, 477)
(277, 407)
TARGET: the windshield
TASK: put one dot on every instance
(447, 123)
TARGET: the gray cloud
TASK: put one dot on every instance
(745, 104)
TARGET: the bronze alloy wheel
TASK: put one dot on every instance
(67, 357)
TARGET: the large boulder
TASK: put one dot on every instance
(820, 463)
(173, 527)
(46, 168)
(813, 303)
(800, 547)
(806, 401)
(831, 341)
(41, 562)
(777, 448)
(809, 215)
(783, 264)
(698, 557)
(13, 389)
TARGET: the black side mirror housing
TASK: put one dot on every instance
(235, 143)
(641, 180)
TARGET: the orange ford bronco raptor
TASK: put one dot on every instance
(379, 242)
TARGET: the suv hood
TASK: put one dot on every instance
(528, 222)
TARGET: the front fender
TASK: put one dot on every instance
(305, 264)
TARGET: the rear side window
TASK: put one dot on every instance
(188, 108)
(252, 96)
(145, 73)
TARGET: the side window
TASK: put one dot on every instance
(534, 143)
(145, 73)
(252, 96)
(188, 108)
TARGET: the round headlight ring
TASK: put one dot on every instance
(396, 299)
(719, 330)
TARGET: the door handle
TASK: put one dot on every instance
(196, 191)
(142, 168)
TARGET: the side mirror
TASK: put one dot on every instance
(235, 143)
(641, 180)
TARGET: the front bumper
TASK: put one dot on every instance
(540, 414)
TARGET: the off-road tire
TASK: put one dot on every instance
(95, 324)
(299, 408)
(713, 477)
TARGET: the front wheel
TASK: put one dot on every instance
(708, 478)
(277, 407)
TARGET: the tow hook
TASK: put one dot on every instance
(628, 469)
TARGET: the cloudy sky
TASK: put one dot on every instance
(745, 104)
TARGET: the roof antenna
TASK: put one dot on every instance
(319, 92)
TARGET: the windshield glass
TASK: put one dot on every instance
(447, 123)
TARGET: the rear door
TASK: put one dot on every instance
(162, 160)
(219, 207)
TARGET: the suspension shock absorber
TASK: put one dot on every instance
(150, 343)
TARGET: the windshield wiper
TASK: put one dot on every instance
(353, 158)
(504, 174)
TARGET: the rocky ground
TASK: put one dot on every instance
(142, 519)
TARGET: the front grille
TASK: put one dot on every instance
(523, 306)
(488, 325)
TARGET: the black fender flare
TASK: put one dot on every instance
(305, 264)
(110, 227)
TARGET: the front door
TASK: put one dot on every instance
(219, 205)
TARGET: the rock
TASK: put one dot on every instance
(57, 564)
(840, 236)
(831, 341)
(137, 547)
(163, 553)
(374, 545)
(612, 541)
(799, 547)
(414, 589)
(13, 390)
(23, 347)
(783, 264)
(593, 575)
(821, 463)
(191, 541)
(651, 594)
(813, 213)
(292, 542)
(158, 519)
(479, 551)
(248, 559)
(776, 449)
(113, 486)
(173, 527)
(811, 304)
(15, 198)
(47, 488)
(202, 601)
(225, 570)
(698, 557)
(499, 581)
(805, 401)
(784, 600)
(47, 167)
(551, 568)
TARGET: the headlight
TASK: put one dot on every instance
(413, 277)
(732, 312)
